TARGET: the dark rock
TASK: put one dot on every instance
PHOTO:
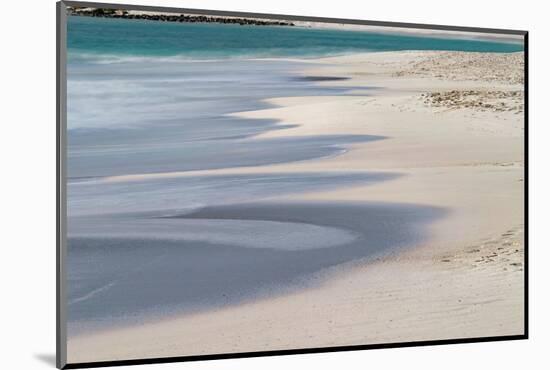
(116, 13)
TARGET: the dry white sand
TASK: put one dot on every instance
(466, 281)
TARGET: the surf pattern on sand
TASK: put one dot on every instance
(151, 232)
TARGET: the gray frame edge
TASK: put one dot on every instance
(294, 17)
(61, 186)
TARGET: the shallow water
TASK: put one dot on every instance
(146, 117)
(247, 251)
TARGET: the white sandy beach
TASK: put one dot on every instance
(454, 128)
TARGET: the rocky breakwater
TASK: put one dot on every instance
(172, 17)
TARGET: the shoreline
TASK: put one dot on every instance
(206, 18)
(461, 156)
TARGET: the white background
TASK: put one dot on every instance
(27, 207)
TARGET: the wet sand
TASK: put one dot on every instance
(225, 255)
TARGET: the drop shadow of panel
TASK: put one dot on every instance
(130, 280)
(46, 358)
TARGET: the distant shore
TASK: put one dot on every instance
(172, 17)
(205, 18)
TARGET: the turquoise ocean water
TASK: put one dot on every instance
(194, 40)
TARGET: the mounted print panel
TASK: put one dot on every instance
(234, 184)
